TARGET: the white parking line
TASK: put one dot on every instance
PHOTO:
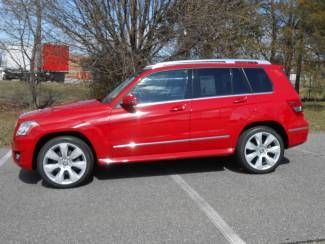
(5, 158)
(212, 214)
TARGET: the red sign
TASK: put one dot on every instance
(55, 58)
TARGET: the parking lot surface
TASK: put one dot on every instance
(186, 201)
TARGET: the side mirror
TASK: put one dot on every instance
(129, 101)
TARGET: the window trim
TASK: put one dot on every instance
(207, 98)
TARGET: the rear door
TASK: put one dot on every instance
(263, 101)
(218, 107)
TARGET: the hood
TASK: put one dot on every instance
(77, 110)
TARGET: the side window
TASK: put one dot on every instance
(162, 86)
(212, 82)
(258, 80)
(239, 82)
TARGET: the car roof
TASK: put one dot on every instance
(208, 62)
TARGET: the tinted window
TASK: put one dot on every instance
(258, 80)
(117, 90)
(213, 82)
(239, 82)
(162, 86)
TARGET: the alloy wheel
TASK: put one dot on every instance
(64, 163)
(262, 151)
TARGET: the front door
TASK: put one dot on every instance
(159, 125)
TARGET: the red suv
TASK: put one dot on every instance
(172, 110)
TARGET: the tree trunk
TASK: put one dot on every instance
(274, 32)
(289, 41)
(36, 59)
(299, 59)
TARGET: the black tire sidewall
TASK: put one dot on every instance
(72, 140)
(240, 150)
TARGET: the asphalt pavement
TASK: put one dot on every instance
(185, 201)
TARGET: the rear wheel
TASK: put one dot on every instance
(65, 162)
(260, 150)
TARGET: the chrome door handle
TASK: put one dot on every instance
(241, 100)
(178, 108)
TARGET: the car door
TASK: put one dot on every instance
(159, 124)
(220, 95)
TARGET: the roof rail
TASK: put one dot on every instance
(195, 61)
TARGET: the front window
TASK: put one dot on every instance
(117, 90)
(162, 86)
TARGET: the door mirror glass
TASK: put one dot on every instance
(129, 101)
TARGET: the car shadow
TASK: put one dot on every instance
(149, 169)
(29, 177)
(32, 177)
(170, 167)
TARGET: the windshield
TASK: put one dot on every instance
(117, 90)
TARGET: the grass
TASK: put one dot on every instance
(7, 123)
(15, 97)
(317, 93)
(17, 92)
(315, 114)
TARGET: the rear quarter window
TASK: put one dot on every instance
(258, 80)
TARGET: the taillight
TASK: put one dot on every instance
(296, 105)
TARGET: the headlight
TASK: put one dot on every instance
(25, 127)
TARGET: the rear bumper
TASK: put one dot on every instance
(297, 135)
(22, 152)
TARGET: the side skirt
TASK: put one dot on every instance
(170, 156)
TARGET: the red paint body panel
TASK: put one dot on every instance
(55, 58)
(167, 130)
(150, 123)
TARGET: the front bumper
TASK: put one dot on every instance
(23, 151)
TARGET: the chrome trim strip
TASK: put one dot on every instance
(133, 144)
(298, 129)
(109, 161)
(204, 98)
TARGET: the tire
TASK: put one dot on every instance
(65, 162)
(260, 150)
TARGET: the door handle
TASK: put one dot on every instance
(178, 108)
(241, 100)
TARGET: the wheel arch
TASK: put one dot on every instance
(272, 124)
(45, 138)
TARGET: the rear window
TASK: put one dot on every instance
(258, 80)
(213, 82)
(239, 82)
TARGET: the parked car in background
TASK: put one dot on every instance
(13, 74)
(171, 110)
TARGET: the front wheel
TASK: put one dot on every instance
(260, 150)
(65, 162)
